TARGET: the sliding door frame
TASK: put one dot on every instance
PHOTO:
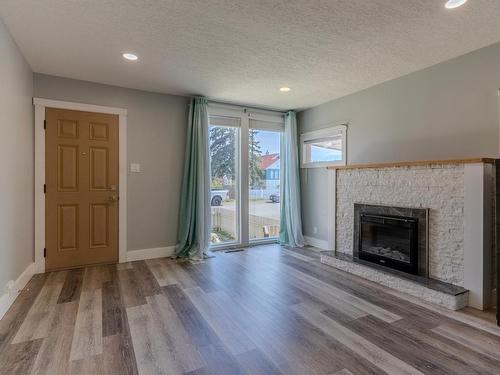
(245, 114)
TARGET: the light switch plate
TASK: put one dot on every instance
(135, 167)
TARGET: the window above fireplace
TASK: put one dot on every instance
(324, 147)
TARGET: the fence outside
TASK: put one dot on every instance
(262, 193)
(259, 226)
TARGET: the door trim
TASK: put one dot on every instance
(40, 104)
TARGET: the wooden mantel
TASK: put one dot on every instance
(414, 163)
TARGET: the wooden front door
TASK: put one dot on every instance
(81, 177)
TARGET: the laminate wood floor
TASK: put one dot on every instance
(265, 310)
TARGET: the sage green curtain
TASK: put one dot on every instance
(290, 218)
(194, 218)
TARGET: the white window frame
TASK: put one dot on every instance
(275, 121)
(322, 134)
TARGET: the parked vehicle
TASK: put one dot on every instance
(274, 198)
(218, 196)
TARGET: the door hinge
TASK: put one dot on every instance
(44, 188)
(45, 252)
(45, 124)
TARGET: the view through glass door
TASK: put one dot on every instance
(245, 177)
(264, 184)
(224, 143)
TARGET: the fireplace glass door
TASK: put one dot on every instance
(390, 241)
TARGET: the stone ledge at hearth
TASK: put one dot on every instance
(430, 290)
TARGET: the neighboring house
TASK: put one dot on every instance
(270, 163)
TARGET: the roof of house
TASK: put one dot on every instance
(268, 159)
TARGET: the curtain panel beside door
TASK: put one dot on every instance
(290, 218)
(194, 217)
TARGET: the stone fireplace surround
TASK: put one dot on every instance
(459, 196)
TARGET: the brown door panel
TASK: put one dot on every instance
(81, 203)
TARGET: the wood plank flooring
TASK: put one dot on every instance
(265, 310)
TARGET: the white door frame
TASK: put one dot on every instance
(245, 115)
(40, 105)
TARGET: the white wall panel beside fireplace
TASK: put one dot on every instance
(458, 196)
(478, 233)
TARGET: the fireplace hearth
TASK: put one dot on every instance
(393, 237)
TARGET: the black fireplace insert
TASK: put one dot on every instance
(389, 240)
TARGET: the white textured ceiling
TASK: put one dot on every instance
(244, 50)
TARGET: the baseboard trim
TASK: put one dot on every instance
(156, 252)
(13, 288)
(316, 242)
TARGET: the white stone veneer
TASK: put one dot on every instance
(437, 187)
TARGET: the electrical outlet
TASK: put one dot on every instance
(315, 230)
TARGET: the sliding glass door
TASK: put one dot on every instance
(245, 175)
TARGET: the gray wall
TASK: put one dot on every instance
(16, 168)
(156, 139)
(449, 110)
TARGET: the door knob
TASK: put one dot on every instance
(113, 198)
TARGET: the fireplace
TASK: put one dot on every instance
(389, 240)
(394, 237)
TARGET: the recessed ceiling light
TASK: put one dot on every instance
(285, 89)
(130, 56)
(451, 4)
